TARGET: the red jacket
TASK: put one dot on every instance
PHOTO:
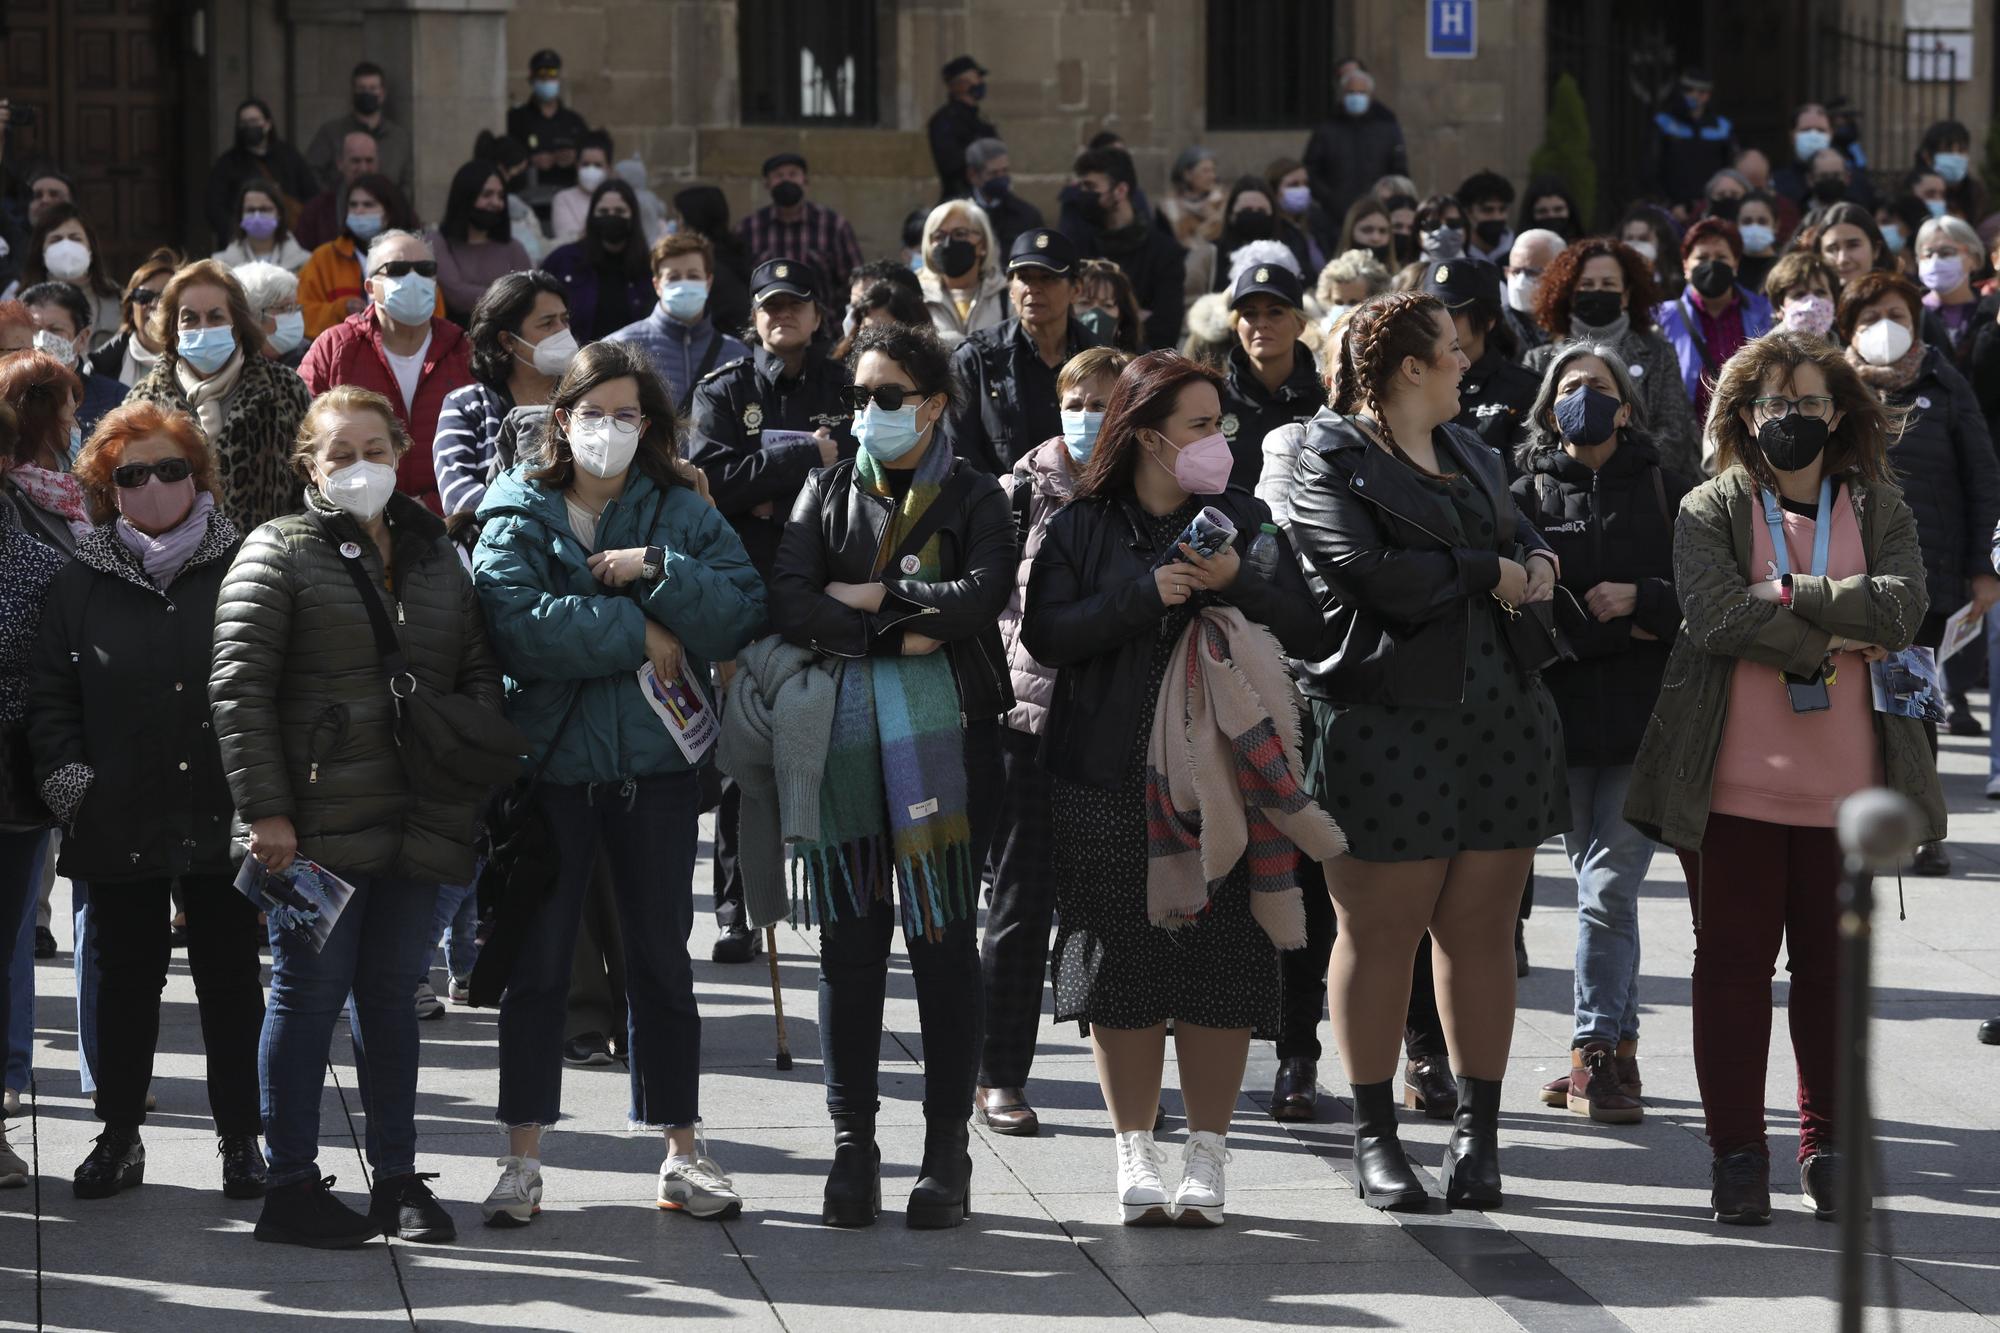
(351, 353)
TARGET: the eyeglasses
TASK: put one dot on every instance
(625, 416)
(888, 397)
(144, 296)
(1813, 407)
(955, 234)
(131, 476)
(403, 268)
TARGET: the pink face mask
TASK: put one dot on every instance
(156, 506)
(1202, 467)
(1809, 314)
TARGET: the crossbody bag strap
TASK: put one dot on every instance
(395, 668)
(1694, 334)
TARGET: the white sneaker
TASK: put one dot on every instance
(1993, 788)
(517, 1197)
(428, 1004)
(696, 1186)
(10, 1103)
(1142, 1195)
(1198, 1201)
(461, 990)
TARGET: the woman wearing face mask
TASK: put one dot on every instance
(1367, 228)
(1652, 233)
(1301, 223)
(1441, 228)
(61, 247)
(1106, 306)
(894, 569)
(1946, 149)
(596, 561)
(1948, 252)
(117, 697)
(474, 245)
(1716, 313)
(308, 733)
(962, 278)
(273, 295)
(330, 287)
(569, 210)
(1014, 956)
(1111, 601)
(521, 345)
(1592, 481)
(1757, 225)
(1250, 215)
(1600, 291)
(260, 232)
(1547, 206)
(214, 369)
(1847, 238)
(131, 353)
(1943, 461)
(1803, 291)
(1438, 741)
(47, 501)
(608, 273)
(1768, 727)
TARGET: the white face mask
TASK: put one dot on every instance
(1521, 291)
(1883, 343)
(604, 447)
(362, 489)
(553, 354)
(589, 178)
(57, 346)
(66, 259)
(1646, 250)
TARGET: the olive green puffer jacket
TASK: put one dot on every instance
(300, 704)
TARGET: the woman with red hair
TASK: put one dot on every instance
(128, 763)
(34, 477)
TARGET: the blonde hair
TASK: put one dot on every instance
(164, 322)
(975, 215)
(1088, 365)
(344, 398)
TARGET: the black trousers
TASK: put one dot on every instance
(1303, 973)
(1014, 956)
(596, 1000)
(728, 889)
(129, 925)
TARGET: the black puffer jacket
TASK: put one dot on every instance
(1946, 466)
(1398, 596)
(1092, 611)
(836, 529)
(1614, 525)
(301, 707)
(118, 713)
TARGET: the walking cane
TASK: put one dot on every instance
(777, 998)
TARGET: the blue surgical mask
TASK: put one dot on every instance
(546, 90)
(1936, 206)
(684, 300)
(887, 436)
(364, 226)
(1892, 236)
(1355, 104)
(1807, 142)
(1080, 434)
(411, 299)
(291, 331)
(1296, 198)
(1951, 166)
(1757, 238)
(207, 350)
(75, 442)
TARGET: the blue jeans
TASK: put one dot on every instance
(20, 885)
(647, 832)
(376, 947)
(1993, 693)
(457, 924)
(83, 961)
(1610, 858)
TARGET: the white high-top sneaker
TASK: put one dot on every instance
(1142, 1195)
(1198, 1201)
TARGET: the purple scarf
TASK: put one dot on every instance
(164, 555)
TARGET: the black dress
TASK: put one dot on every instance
(1113, 967)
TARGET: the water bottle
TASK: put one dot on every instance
(1263, 554)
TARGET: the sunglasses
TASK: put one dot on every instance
(403, 268)
(131, 476)
(144, 296)
(888, 397)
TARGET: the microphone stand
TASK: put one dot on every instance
(1857, 1134)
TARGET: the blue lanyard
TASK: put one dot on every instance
(1822, 531)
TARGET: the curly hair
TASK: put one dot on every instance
(105, 450)
(1381, 332)
(1858, 446)
(1558, 290)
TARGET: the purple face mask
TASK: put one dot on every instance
(260, 226)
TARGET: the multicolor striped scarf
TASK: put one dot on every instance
(893, 797)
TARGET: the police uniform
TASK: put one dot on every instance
(1249, 410)
(1010, 404)
(1496, 395)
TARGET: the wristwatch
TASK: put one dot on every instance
(654, 562)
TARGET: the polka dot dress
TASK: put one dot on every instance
(1114, 968)
(1413, 783)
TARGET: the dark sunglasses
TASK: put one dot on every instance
(132, 476)
(144, 296)
(888, 397)
(403, 268)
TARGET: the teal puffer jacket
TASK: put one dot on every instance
(557, 629)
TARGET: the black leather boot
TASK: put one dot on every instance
(854, 1185)
(943, 1196)
(118, 1162)
(1382, 1175)
(1472, 1155)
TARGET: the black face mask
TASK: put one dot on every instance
(1829, 189)
(1726, 207)
(611, 228)
(1406, 248)
(1254, 225)
(954, 258)
(1091, 205)
(787, 193)
(488, 220)
(1562, 227)
(1712, 277)
(1385, 255)
(1791, 441)
(997, 187)
(367, 104)
(1597, 309)
(1489, 231)
(251, 136)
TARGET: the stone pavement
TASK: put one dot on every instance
(1605, 1228)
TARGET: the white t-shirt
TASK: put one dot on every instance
(408, 369)
(582, 522)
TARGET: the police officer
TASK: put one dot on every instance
(761, 425)
(957, 125)
(1496, 393)
(1010, 405)
(1272, 379)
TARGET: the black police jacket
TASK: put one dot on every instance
(1093, 613)
(1398, 594)
(1009, 405)
(1250, 411)
(1493, 403)
(835, 532)
(1614, 525)
(735, 407)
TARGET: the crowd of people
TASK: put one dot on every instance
(1230, 590)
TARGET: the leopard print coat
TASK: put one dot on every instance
(253, 452)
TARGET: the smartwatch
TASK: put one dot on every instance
(654, 562)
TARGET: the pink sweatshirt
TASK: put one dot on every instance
(1796, 768)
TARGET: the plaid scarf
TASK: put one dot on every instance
(894, 794)
(1230, 790)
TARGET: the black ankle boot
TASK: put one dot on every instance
(1472, 1155)
(118, 1162)
(943, 1196)
(1382, 1175)
(854, 1185)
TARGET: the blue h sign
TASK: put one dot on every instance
(1452, 32)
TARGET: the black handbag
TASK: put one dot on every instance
(1532, 637)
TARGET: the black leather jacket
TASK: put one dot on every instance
(1091, 613)
(1398, 595)
(834, 533)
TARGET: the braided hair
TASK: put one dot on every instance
(1380, 333)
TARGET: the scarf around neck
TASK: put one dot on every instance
(210, 397)
(165, 554)
(1898, 374)
(56, 493)
(1613, 333)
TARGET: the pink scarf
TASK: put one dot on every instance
(56, 493)
(164, 555)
